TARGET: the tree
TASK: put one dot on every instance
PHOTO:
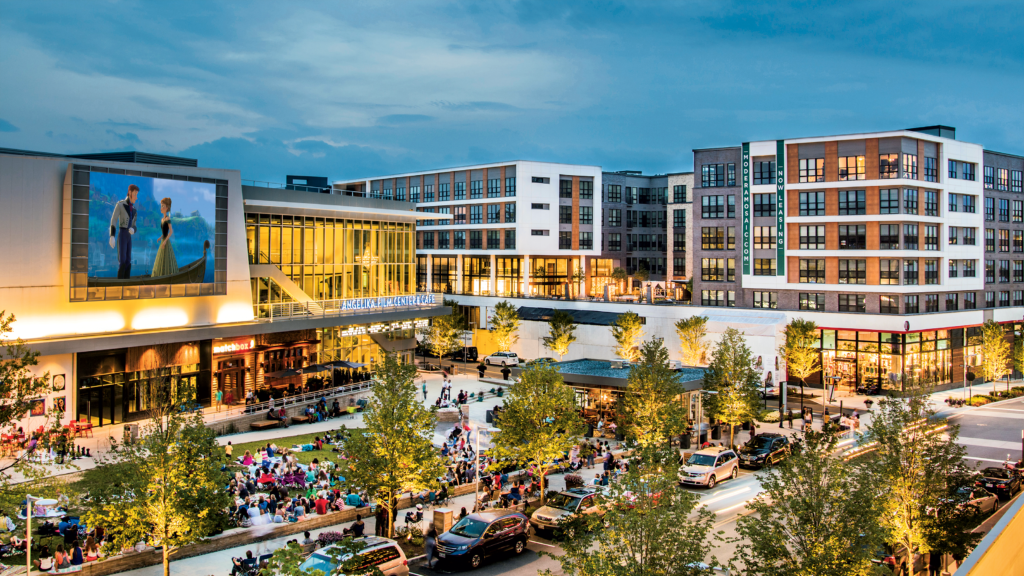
(170, 488)
(693, 333)
(914, 461)
(444, 334)
(578, 276)
(505, 325)
(800, 349)
(394, 453)
(731, 374)
(653, 411)
(817, 515)
(539, 420)
(996, 351)
(620, 276)
(649, 528)
(949, 527)
(642, 274)
(344, 554)
(1018, 353)
(562, 329)
(628, 333)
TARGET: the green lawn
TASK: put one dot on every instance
(288, 442)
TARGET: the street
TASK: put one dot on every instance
(991, 432)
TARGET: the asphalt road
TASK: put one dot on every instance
(991, 432)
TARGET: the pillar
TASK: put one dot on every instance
(458, 274)
(526, 276)
(494, 273)
(585, 289)
(430, 273)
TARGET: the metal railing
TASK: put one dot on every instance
(215, 415)
(279, 185)
(344, 307)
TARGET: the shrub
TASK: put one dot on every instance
(327, 538)
(573, 481)
(978, 400)
(770, 416)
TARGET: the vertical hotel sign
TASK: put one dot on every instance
(780, 204)
(745, 164)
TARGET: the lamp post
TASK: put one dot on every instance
(29, 499)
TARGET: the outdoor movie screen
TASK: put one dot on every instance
(146, 231)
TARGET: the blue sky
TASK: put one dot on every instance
(351, 89)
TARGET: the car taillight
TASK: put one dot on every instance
(405, 562)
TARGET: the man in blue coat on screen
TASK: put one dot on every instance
(123, 219)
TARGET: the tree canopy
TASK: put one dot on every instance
(693, 333)
(653, 411)
(800, 349)
(505, 325)
(732, 377)
(996, 360)
(444, 334)
(628, 333)
(561, 333)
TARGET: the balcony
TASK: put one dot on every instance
(345, 307)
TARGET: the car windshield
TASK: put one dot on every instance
(996, 473)
(701, 460)
(759, 442)
(469, 528)
(318, 561)
(564, 502)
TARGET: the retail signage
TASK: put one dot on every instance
(780, 205)
(382, 327)
(391, 302)
(745, 163)
(229, 347)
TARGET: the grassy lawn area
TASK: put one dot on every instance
(288, 442)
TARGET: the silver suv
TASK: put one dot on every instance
(382, 553)
(563, 505)
(709, 466)
(502, 359)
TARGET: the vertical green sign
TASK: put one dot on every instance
(780, 204)
(745, 164)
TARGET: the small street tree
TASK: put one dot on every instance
(916, 461)
(539, 420)
(170, 488)
(996, 357)
(693, 334)
(505, 325)
(444, 334)
(628, 333)
(651, 528)
(1018, 353)
(816, 516)
(620, 276)
(653, 411)
(731, 374)
(800, 349)
(394, 453)
(561, 333)
(578, 276)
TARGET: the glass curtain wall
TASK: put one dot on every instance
(548, 276)
(444, 274)
(476, 275)
(508, 276)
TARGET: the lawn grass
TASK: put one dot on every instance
(288, 442)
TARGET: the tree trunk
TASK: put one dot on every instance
(732, 434)
(167, 560)
(542, 490)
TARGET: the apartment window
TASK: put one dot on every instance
(764, 237)
(812, 203)
(990, 240)
(970, 268)
(931, 271)
(678, 242)
(476, 240)
(443, 193)
(889, 272)
(812, 169)
(414, 193)
(730, 238)
(889, 201)
(910, 236)
(510, 186)
(615, 242)
(493, 239)
(764, 172)
(718, 298)
(459, 241)
(614, 193)
(586, 190)
(910, 201)
(1018, 241)
(970, 204)
(812, 237)
(679, 266)
(1018, 271)
(952, 236)
(990, 271)
(931, 169)
(565, 240)
(712, 269)
(1004, 209)
(400, 193)
(1017, 214)
(852, 237)
(443, 240)
(712, 175)
(910, 305)
(990, 177)
(476, 189)
(460, 214)
(586, 214)
(931, 302)
(565, 214)
(447, 211)
(494, 188)
(851, 168)
(428, 192)
(712, 238)
(1004, 298)
(952, 301)
(1017, 181)
(493, 213)
(953, 168)
(1018, 297)
(1004, 270)
(428, 240)
(460, 190)
(679, 194)
(712, 207)
(970, 237)
(853, 271)
(565, 189)
(386, 193)
(812, 301)
(510, 212)
(969, 171)
(990, 299)
(615, 217)
(536, 206)
(766, 299)
(910, 273)
(1002, 179)
(679, 218)
(586, 240)
(1004, 240)
(931, 237)
(541, 180)
(476, 214)
(764, 205)
(953, 272)
(931, 203)
(851, 202)
(889, 237)
(764, 266)
(910, 166)
(851, 303)
(889, 304)
(540, 233)
(731, 178)
(731, 205)
(510, 239)
(970, 301)
(888, 165)
(812, 271)
(954, 201)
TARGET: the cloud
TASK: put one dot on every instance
(6, 126)
(135, 125)
(393, 119)
(128, 137)
(476, 106)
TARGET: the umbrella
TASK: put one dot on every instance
(354, 364)
(282, 373)
(316, 368)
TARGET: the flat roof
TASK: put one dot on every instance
(456, 168)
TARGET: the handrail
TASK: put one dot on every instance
(279, 185)
(336, 307)
(250, 409)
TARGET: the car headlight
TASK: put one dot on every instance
(761, 457)
(462, 547)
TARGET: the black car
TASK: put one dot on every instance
(1000, 481)
(481, 535)
(467, 354)
(764, 450)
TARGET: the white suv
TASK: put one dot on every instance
(709, 466)
(378, 552)
(502, 359)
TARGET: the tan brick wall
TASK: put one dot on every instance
(831, 236)
(792, 164)
(832, 270)
(871, 237)
(920, 276)
(920, 159)
(831, 161)
(502, 183)
(832, 202)
(872, 199)
(793, 231)
(871, 158)
(575, 212)
(872, 270)
(501, 233)
(793, 269)
(793, 199)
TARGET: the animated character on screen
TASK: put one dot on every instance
(165, 264)
(123, 218)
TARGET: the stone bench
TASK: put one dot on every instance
(264, 424)
(301, 419)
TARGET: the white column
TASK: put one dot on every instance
(494, 273)
(430, 273)
(526, 275)
(585, 288)
(458, 274)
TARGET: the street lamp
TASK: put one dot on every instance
(44, 502)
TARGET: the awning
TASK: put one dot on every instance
(586, 317)
(281, 374)
(393, 345)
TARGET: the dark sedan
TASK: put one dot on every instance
(1000, 481)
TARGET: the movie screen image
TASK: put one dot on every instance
(145, 231)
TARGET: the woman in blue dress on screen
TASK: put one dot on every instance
(164, 264)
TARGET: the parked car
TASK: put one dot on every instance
(563, 505)
(1004, 483)
(709, 466)
(502, 359)
(986, 501)
(764, 450)
(381, 553)
(467, 354)
(545, 359)
(482, 535)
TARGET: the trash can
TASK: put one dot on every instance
(685, 441)
(131, 433)
(716, 432)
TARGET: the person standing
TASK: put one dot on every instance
(430, 545)
(123, 226)
(424, 390)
